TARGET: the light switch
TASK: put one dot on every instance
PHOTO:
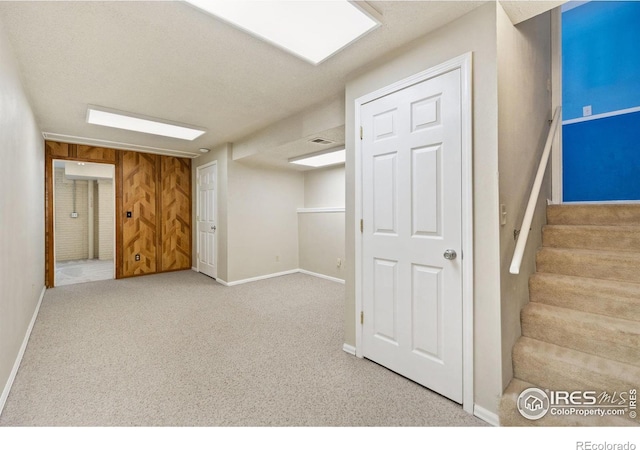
(586, 111)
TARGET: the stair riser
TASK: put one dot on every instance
(594, 339)
(552, 372)
(607, 266)
(593, 214)
(607, 239)
(596, 298)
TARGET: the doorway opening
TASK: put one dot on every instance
(84, 222)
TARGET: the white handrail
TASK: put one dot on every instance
(533, 198)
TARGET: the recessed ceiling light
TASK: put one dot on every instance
(126, 121)
(204, 150)
(311, 30)
(322, 159)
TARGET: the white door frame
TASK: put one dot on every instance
(464, 63)
(198, 169)
(556, 100)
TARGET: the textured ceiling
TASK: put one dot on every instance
(168, 60)
(521, 10)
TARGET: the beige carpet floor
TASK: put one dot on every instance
(179, 349)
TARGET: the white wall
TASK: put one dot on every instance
(321, 234)
(21, 214)
(474, 32)
(324, 187)
(262, 219)
(324, 116)
(524, 105)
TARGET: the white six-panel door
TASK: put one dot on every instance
(411, 206)
(207, 220)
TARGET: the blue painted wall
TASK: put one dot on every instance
(601, 68)
(601, 159)
(600, 57)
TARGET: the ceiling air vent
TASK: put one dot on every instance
(321, 141)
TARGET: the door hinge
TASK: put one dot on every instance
(361, 133)
(361, 317)
(361, 226)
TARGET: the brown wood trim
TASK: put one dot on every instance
(50, 268)
(79, 159)
(159, 213)
(73, 151)
(119, 214)
(191, 197)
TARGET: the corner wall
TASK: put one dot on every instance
(474, 32)
(21, 214)
(262, 218)
(321, 234)
(524, 108)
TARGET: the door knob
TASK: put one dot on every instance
(450, 254)
(213, 228)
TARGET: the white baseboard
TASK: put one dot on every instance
(278, 274)
(350, 349)
(195, 269)
(16, 364)
(262, 277)
(486, 415)
(319, 275)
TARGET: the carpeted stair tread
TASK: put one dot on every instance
(606, 297)
(608, 337)
(511, 417)
(621, 266)
(594, 214)
(593, 237)
(581, 328)
(561, 368)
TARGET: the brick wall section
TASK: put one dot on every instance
(106, 211)
(71, 234)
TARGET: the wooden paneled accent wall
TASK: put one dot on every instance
(176, 213)
(155, 189)
(139, 232)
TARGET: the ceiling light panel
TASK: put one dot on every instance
(324, 159)
(311, 30)
(126, 121)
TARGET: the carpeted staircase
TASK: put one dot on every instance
(581, 329)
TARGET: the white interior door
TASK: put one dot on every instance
(207, 219)
(412, 203)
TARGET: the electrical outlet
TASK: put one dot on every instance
(74, 215)
(503, 214)
(586, 111)
(339, 262)
(137, 256)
